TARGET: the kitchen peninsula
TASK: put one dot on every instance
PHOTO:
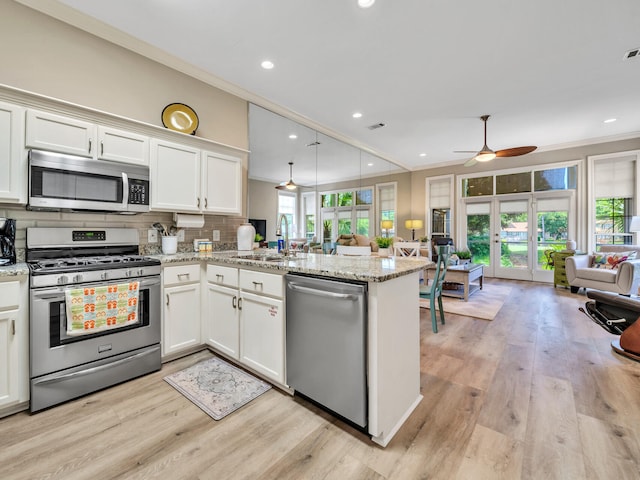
(393, 325)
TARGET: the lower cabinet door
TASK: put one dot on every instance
(221, 325)
(262, 335)
(9, 371)
(181, 317)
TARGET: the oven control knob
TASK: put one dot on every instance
(140, 272)
(63, 279)
(128, 273)
(104, 276)
(77, 278)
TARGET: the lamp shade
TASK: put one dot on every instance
(634, 226)
(386, 224)
(413, 224)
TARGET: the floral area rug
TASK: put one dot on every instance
(217, 387)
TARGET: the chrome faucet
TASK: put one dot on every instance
(285, 250)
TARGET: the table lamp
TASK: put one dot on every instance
(386, 225)
(413, 225)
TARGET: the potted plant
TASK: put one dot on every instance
(257, 240)
(383, 246)
(464, 256)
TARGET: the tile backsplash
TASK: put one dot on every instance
(142, 222)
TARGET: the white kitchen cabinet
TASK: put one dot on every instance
(13, 163)
(221, 320)
(14, 344)
(56, 133)
(121, 146)
(245, 318)
(262, 335)
(221, 184)
(181, 319)
(184, 179)
(175, 177)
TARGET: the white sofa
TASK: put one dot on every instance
(624, 280)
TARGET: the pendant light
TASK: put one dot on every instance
(290, 185)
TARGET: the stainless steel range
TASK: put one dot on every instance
(95, 311)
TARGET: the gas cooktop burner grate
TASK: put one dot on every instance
(85, 263)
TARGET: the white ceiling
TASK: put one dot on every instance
(548, 72)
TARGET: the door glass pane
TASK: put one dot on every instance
(552, 235)
(364, 197)
(328, 200)
(513, 183)
(345, 199)
(478, 241)
(514, 245)
(344, 222)
(362, 222)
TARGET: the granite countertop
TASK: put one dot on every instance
(364, 268)
(14, 270)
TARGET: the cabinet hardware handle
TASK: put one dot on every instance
(206, 204)
(101, 148)
(180, 275)
(13, 327)
(240, 304)
(89, 145)
(167, 299)
(255, 284)
(198, 202)
(219, 277)
(234, 302)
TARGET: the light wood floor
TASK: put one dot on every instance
(535, 394)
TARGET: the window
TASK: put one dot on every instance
(439, 205)
(345, 212)
(387, 207)
(287, 207)
(309, 209)
(614, 199)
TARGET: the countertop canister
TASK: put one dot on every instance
(246, 235)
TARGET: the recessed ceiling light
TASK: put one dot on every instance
(293, 136)
(610, 120)
(369, 164)
(423, 154)
(365, 3)
(267, 64)
(357, 115)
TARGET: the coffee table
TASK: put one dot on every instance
(465, 275)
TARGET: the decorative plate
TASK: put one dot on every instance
(180, 117)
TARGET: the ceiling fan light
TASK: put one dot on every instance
(485, 155)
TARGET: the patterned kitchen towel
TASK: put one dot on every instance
(91, 309)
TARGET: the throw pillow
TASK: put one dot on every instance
(611, 260)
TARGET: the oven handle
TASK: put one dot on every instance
(58, 292)
(99, 368)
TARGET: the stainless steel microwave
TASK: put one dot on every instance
(68, 183)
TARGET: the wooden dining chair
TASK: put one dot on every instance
(434, 291)
(406, 249)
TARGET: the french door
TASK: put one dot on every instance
(513, 236)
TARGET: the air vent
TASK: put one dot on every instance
(375, 126)
(632, 54)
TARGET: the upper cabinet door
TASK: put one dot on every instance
(221, 184)
(56, 133)
(175, 177)
(121, 146)
(13, 164)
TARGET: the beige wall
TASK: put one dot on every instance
(567, 154)
(262, 204)
(48, 57)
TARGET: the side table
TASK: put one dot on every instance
(559, 261)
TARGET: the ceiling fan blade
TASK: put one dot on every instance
(471, 162)
(515, 152)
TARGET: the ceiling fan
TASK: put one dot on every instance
(486, 154)
(289, 185)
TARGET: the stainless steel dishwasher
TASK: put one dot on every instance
(327, 344)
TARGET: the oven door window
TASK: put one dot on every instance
(58, 322)
(70, 185)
